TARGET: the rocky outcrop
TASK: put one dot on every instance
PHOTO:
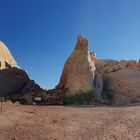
(131, 64)
(13, 79)
(123, 86)
(6, 59)
(48, 97)
(78, 73)
(116, 82)
(120, 80)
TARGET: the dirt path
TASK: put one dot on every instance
(19, 122)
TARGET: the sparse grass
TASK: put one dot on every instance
(79, 98)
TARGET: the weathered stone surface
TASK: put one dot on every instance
(123, 86)
(78, 73)
(120, 80)
(130, 64)
(12, 80)
(6, 59)
(107, 66)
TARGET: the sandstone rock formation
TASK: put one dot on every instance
(12, 78)
(120, 80)
(116, 82)
(131, 64)
(123, 86)
(6, 59)
(78, 73)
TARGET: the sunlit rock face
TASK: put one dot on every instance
(78, 73)
(6, 59)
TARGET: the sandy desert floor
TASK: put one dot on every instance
(19, 122)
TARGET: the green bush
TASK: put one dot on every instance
(79, 98)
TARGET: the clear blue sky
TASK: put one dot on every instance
(41, 34)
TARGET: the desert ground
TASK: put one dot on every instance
(21, 122)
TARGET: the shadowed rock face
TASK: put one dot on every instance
(12, 78)
(78, 73)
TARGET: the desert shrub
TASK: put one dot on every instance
(79, 98)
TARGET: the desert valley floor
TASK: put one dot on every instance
(21, 122)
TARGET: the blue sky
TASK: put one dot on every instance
(41, 34)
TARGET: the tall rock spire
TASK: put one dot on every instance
(78, 73)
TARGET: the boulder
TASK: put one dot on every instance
(123, 86)
(78, 73)
(12, 80)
